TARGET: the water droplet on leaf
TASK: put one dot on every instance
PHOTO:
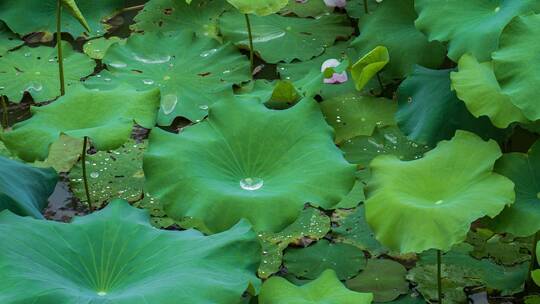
(251, 184)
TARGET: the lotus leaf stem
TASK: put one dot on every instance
(380, 82)
(533, 263)
(5, 121)
(85, 178)
(366, 8)
(439, 277)
(250, 34)
(59, 46)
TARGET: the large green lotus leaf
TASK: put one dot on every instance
(354, 115)
(346, 260)
(361, 150)
(452, 21)
(384, 278)
(310, 225)
(111, 174)
(515, 64)
(350, 227)
(106, 117)
(312, 8)
(8, 40)
(523, 217)
(246, 168)
(392, 25)
(25, 17)
(201, 16)
(356, 9)
(476, 85)
(305, 38)
(24, 190)
(35, 70)
(259, 7)
(326, 289)
(429, 111)
(417, 205)
(190, 78)
(115, 256)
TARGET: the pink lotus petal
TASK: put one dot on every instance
(336, 3)
(337, 77)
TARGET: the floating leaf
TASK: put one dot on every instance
(353, 115)
(476, 85)
(388, 25)
(346, 260)
(384, 278)
(24, 190)
(326, 289)
(502, 250)
(114, 255)
(523, 217)
(305, 38)
(97, 48)
(259, 7)
(312, 8)
(369, 65)
(417, 205)
(515, 64)
(35, 70)
(247, 169)
(63, 154)
(200, 17)
(26, 17)
(112, 174)
(190, 79)
(106, 117)
(8, 40)
(452, 21)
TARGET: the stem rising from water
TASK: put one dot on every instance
(439, 277)
(59, 46)
(85, 178)
(5, 117)
(250, 34)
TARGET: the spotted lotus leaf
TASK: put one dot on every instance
(515, 64)
(106, 117)
(115, 256)
(325, 289)
(452, 20)
(25, 17)
(259, 7)
(247, 169)
(305, 38)
(35, 70)
(190, 79)
(417, 205)
(24, 189)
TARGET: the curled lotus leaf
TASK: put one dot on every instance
(305, 38)
(523, 217)
(476, 85)
(325, 289)
(259, 7)
(35, 71)
(24, 189)
(516, 65)
(115, 256)
(418, 205)
(263, 170)
(369, 65)
(453, 21)
(388, 25)
(26, 17)
(190, 79)
(106, 117)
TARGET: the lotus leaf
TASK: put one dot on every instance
(369, 65)
(96, 48)
(355, 197)
(115, 256)
(384, 278)
(8, 40)
(325, 289)
(24, 190)
(514, 64)
(350, 227)
(25, 17)
(452, 21)
(201, 16)
(305, 38)
(502, 250)
(388, 26)
(63, 154)
(476, 85)
(536, 273)
(425, 104)
(106, 117)
(423, 199)
(356, 9)
(35, 70)
(346, 260)
(248, 169)
(312, 8)
(72, 7)
(190, 79)
(353, 115)
(523, 217)
(259, 7)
